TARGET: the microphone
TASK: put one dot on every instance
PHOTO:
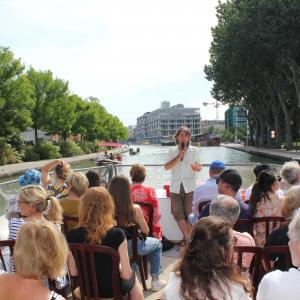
(182, 148)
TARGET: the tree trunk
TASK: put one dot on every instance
(278, 132)
(35, 135)
(287, 121)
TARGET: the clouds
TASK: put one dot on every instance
(130, 54)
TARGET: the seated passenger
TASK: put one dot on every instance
(77, 184)
(34, 204)
(140, 192)
(278, 285)
(290, 172)
(93, 178)
(228, 209)
(229, 182)
(279, 237)
(30, 177)
(206, 271)
(127, 213)
(58, 188)
(96, 221)
(265, 203)
(40, 252)
(208, 190)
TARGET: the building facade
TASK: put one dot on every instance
(207, 124)
(235, 117)
(162, 123)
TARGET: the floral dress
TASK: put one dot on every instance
(147, 194)
(266, 208)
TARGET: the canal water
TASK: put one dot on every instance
(156, 175)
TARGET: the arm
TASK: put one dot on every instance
(196, 166)
(156, 213)
(125, 271)
(46, 169)
(141, 220)
(171, 163)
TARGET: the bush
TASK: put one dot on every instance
(68, 149)
(30, 154)
(46, 150)
(8, 155)
(88, 147)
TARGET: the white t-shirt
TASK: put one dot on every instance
(249, 191)
(172, 290)
(278, 285)
(182, 172)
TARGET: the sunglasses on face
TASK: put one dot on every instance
(278, 178)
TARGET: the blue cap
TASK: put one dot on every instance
(31, 176)
(217, 164)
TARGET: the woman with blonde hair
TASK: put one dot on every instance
(140, 192)
(57, 188)
(77, 184)
(40, 252)
(35, 204)
(279, 237)
(206, 270)
(96, 226)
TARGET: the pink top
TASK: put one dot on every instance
(244, 239)
(266, 208)
(147, 194)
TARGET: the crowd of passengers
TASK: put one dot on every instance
(207, 269)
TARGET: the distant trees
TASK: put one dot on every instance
(255, 62)
(35, 98)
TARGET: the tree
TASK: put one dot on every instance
(15, 95)
(46, 90)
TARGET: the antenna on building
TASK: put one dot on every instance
(215, 104)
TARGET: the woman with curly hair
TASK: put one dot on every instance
(96, 226)
(206, 271)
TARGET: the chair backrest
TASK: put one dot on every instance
(150, 210)
(277, 250)
(202, 204)
(66, 220)
(255, 266)
(247, 222)
(3, 246)
(270, 223)
(84, 256)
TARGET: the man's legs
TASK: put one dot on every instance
(188, 203)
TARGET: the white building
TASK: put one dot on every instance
(206, 124)
(162, 123)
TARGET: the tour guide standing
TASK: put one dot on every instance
(184, 162)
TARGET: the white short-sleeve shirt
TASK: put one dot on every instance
(182, 172)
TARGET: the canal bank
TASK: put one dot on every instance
(19, 168)
(279, 154)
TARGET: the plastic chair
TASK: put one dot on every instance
(270, 223)
(255, 270)
(140, 260)
(3, 244)
(277, 250)
(66, 220)
(150, 210)
(84, 256)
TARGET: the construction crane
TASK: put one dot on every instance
(216, 105)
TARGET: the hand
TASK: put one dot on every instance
(196, 167)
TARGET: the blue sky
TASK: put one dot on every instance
(130, 54)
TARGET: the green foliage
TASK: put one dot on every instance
(69, 148)
(8, 155)
(46, 150)
(30, 154)
(88, 147)
(15, 94)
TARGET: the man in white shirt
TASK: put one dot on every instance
(208, 190)
(184, 162)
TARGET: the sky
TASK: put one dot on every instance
(130, 54)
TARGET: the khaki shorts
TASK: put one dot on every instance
(181, 204)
